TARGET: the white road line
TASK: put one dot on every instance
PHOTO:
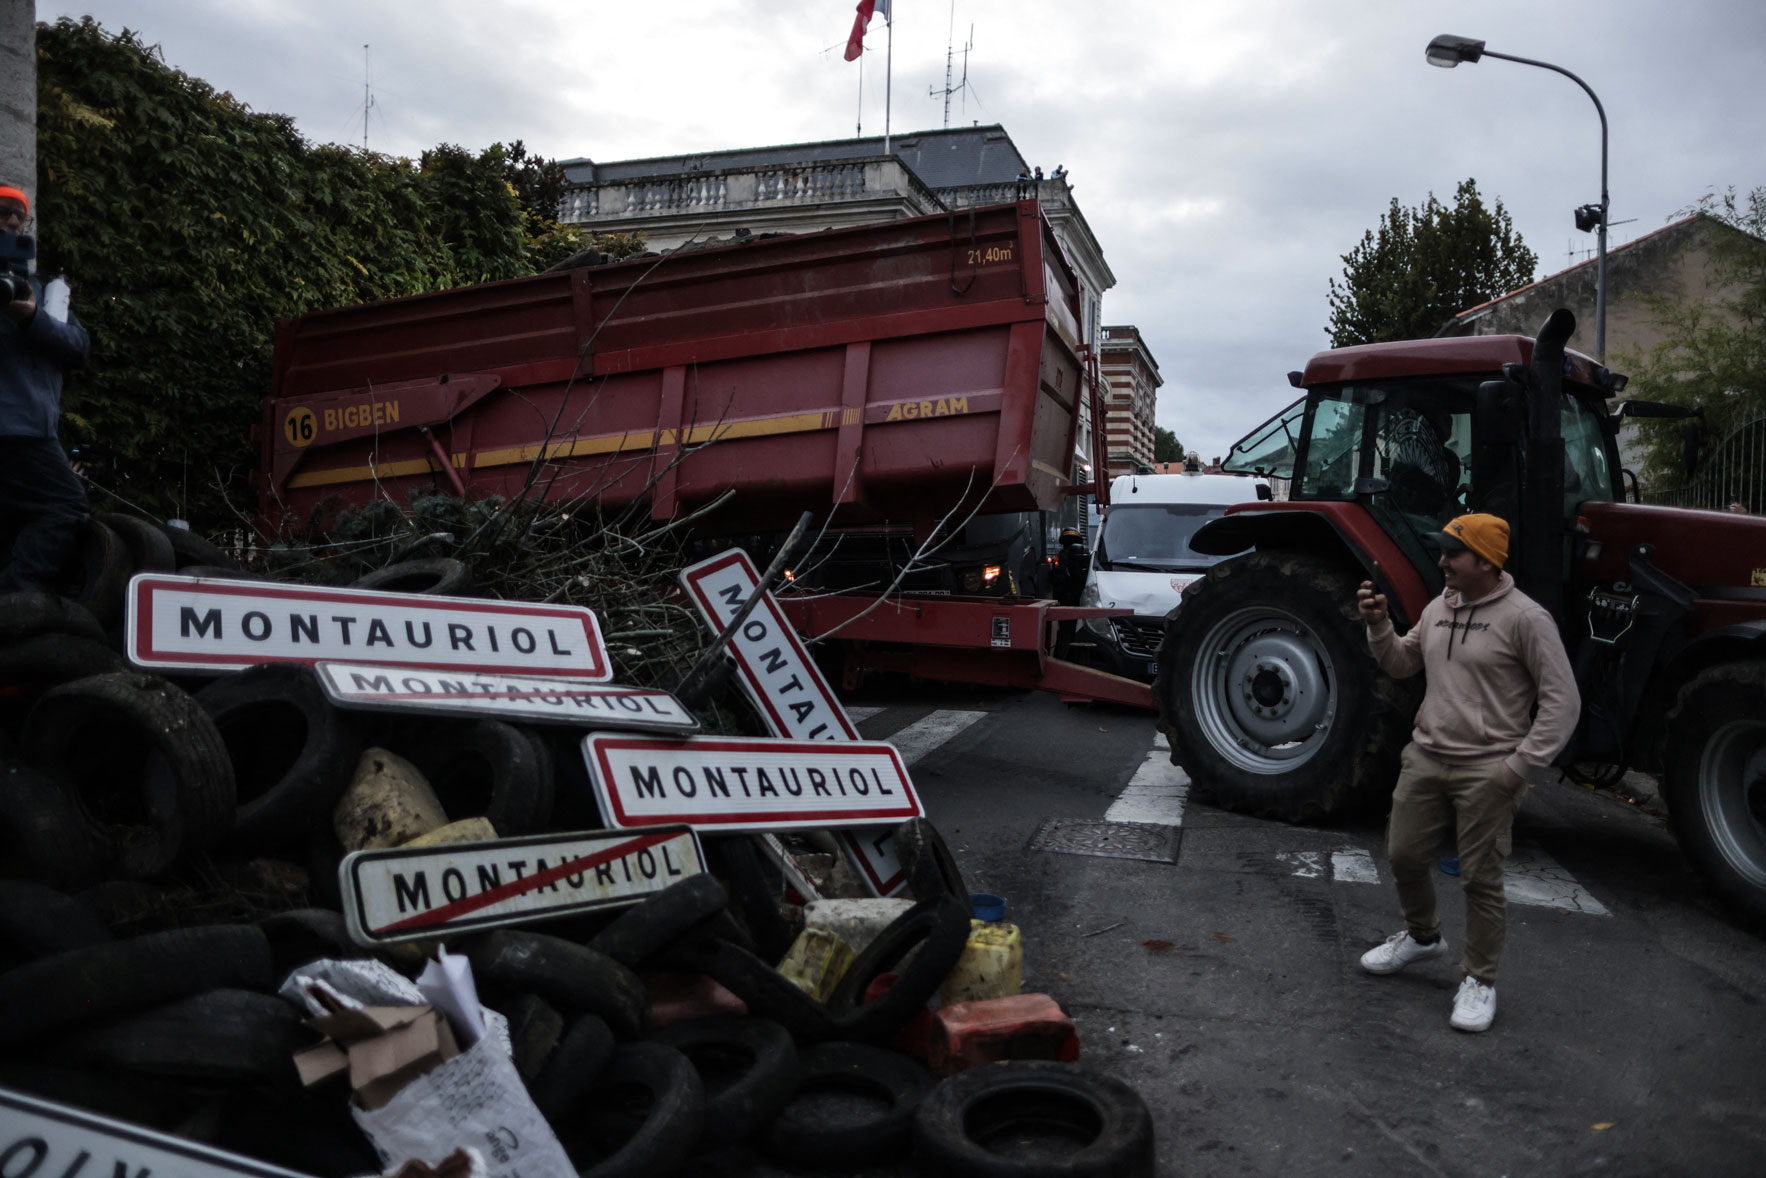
(1532, 877)
(1156, 793)
(1306, 864)
(860, 715)
(927, 733)
(1354, 865)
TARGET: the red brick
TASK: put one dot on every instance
(1021, 1026)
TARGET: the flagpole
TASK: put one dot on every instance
(860, 133)
(888, 72)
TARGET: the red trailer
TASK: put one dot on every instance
(888, 372)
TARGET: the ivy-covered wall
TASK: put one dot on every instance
(189, 222)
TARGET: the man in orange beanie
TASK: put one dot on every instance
(1491, 653)
(42, 501)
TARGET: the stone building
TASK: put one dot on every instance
(1132, 377)
(805, 187)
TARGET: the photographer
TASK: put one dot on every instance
(42, 501)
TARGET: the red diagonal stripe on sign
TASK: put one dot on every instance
(531, 883)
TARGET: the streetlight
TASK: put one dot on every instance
(1448, 51)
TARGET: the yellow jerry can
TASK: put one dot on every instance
(992, 964)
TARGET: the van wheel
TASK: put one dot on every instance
(1269, 695)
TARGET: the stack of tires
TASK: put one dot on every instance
(168, 854)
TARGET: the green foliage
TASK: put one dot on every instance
(1713, 349)
(1166, 447)
(1423, 266)
(190, 223)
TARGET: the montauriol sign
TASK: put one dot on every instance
(199, 623)
(523, 699)
(746, 783)
(410, 893)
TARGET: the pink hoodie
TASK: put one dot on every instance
(1488, 662)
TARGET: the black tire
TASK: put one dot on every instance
(484, 768)
(100, 572)
(100, 981)
(925, 858)
(436, 576)
(221, 572)
(574, 806)
(658, 920)
(1280, 632)
(806, 1133)
(1715, 782)
(49, 660)
(756, 890)
(188, 549)
(765, 991)
(222, 1036)
(308, 1131)
(939, 930)
(149, 550)
(535, 1026)
(38, 921)
(45, 835)
(111, 1094)
(748, 1066)
(567, 975)
(304, 935)
(291, 751)
(23, 615)
(609, 1137)
(1033, 1119)
(572, 1069)
(140, 755)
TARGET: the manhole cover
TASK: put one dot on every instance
(1111, 840)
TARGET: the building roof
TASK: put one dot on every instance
(954, 157)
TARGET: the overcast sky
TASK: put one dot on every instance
(1226, 155)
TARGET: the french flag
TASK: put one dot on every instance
(855, 44)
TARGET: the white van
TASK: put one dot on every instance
(1142, 559)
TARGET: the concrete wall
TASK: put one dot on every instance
(18, 95)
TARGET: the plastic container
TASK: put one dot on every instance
(987, 906)
(992, 965)
(816, 962)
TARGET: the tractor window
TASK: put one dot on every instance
(1333, 447)
(1269, 449)
(1587, 475)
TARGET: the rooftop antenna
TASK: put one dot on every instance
(367, 95)
(949, 56)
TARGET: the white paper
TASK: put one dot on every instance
(355, 984)
(56, 296)
(447, 985)
(475, 1099)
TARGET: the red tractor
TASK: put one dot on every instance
(1266, 688)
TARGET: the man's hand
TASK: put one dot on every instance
(1372, 604)
(23, 309)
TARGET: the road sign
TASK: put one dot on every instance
(200, 623)
(728, 783)
(775, 668)
(41, 1139)
(525, 699)
(412, 893)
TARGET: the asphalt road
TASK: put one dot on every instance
(1630, 1036)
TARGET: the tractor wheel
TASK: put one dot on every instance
(1269, 695)
(1715, 783)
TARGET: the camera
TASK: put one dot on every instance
(16, 252)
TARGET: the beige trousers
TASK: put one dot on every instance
(1432, 798)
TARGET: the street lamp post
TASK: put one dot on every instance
(1448, 51)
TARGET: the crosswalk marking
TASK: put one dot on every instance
(927, 733)
(1156, 793)
(860, 715)
(1529, 876)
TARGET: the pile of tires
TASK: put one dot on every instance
(169, 852)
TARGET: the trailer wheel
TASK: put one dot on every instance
(1716, 782)
(1269, 695)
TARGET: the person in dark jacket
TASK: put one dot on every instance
(42, 501)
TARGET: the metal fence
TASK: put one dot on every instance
(1732, 471)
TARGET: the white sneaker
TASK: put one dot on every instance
(1398, 951)
(1474, 1007)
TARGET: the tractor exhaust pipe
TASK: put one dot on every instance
(1541, 546)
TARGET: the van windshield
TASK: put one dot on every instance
(1155, 536)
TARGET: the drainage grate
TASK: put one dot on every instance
(1110, 840)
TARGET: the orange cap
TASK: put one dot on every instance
(10, 193)
(1487, 535)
